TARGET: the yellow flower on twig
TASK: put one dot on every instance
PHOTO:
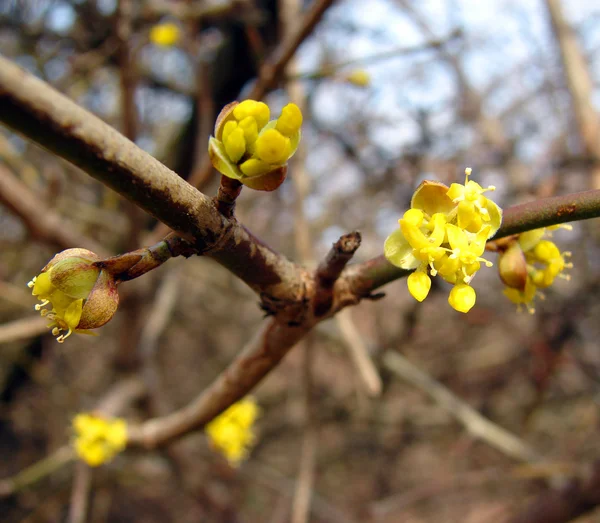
(231, 433)
(97, 439)
(251, 149)
(75, 294)
(444, 233)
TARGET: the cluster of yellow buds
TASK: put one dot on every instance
(250, 148)
(97, 439)
(79, 295)
(530, 263)
(231, 432)
(444, 233)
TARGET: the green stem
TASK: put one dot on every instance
(37, 471)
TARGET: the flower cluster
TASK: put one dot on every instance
(231, 432)
(79, 295)
(250, 148)
(531, 263)
(444, 233)
(98, 440)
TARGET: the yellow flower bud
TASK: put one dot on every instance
(462, 297)
(235, 145)
(81, 296)
(251, 108)
(272, 147)
(512, 267)
(250, 128)
(248, 148)
(254, 167)
(419, 284)
(359, 78)
(165, 35)
(290, 121)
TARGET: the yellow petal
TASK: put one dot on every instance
(419, 284)
(462, 297)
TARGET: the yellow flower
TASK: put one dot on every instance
(358, 78)
(231, 432)
(165, 35)
(98, 440)
(444, 233)
(532, 263)
(80, 295)
(250, 148)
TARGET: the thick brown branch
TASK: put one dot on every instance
(331, 267)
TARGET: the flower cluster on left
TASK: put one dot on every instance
(444, 233)
(75, 294)
(251, 149)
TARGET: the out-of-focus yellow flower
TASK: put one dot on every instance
(444, 233)
(98, 440)
(250, 148)
(358, 77)
(231, 433)
(532, 263)
(166, 34)
(80, 295)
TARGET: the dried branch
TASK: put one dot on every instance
(580, 85)
(23, 329)
(559, 505)
(359, 353)
(475, 423)
(42, 222)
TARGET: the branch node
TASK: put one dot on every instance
(330, 268)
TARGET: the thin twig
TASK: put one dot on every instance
(477, 425)
(376, 57)
(80, 493)
(116, 400)
(308, 453)
(23, 329)
(42, 222)
(359, 353)
(37, 471)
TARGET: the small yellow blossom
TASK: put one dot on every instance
(75, 294)
(444, 233)
(532, 263)
(165, 35)
(250, 148)
(98, 440)
(358, 78)
(231, 432)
